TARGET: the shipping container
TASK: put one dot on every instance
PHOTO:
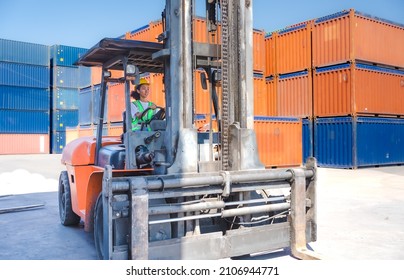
(65, 98)
(279, 141)
(307, 138)
(13, 144)
(351, 35)
(61, 119)
(24, 121)
(270, 51)
(62, 55)
(271, 84)
(116, 102)
(57, 141)
(356, 89)
(115, 129)
(72, 133)
(260, 96)
(95, 73)
(97, 104)
(200, 33)
(86, 104)
(351, 142)
(70, 77)
(24, 98)
(24, 75)
(293, 49)
(23, 52)
(294, 95)
(86, 130)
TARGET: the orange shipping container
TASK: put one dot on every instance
(271, 84)
(116, 102)
(295, 95)
(115, 129)
(96, 75)
(279, 141)
(260, 96)
(151, 31)
(270, 66)
(355, 89)
(24, 144)
(293, 48)
(350, 35)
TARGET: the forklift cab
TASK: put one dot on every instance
(133, 58)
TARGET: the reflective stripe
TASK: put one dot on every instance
(136, 122)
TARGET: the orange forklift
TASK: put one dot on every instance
(171, 192)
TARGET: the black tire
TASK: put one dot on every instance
(99, 228)
(67, 216)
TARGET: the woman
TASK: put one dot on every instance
(141, 103)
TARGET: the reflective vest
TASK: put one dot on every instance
(136, 122)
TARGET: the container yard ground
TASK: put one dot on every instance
(360, 214)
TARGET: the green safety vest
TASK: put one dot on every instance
(136, 122)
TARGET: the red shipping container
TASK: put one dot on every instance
(24, 144)
(260, 96)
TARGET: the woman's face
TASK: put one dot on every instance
(144, 91)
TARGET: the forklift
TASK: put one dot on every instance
(171, 192)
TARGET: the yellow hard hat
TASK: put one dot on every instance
(143, 81)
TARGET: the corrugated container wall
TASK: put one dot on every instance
(64, 118)
(260, 96)
(24, 75)
(307, 138)
(62, 55)
(24, 121)
(12, 144)
(352, 89)
(293, 49)
(271, 84)
(24, 98)
(23, 52)
(65, 98)
(350, 35)
(295, 95)
(351, 142)
(86, 103)
(270, 51)
(279, 141)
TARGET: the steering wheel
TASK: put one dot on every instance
(159, 115)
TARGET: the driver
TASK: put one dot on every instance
(141, 103)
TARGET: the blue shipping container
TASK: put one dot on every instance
(62, 55)
(57, 141)
(96, 102)
(86, 106)
(307, 138)
(24, 75)
(23, 121)
(65, 98)
(23, 52)
(351, 142)
(64, 118)
(70, 77)
(24, 98)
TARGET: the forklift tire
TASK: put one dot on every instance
(67, 216)
(99, 228)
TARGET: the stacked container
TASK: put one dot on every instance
(66, 81)
(358, 89)
(24, 98)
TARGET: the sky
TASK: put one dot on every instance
(82, 23)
